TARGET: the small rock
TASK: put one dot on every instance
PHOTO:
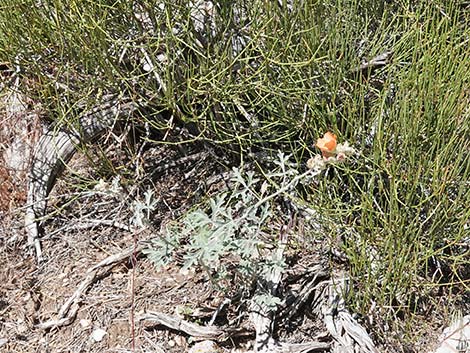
(180, 341)
(98, 334)
(187, 271)
(205, 347)
(84, 323)
(3, 341)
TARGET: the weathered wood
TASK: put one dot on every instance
(56, 147)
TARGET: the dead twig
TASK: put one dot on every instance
(194, 330)
(309, 294)
(263, 316)
(70, 308)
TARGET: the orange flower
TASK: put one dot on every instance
(327, 144)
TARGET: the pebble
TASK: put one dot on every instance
(98, 334)
(205, 347)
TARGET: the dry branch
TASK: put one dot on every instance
(70, 308)
(56, 148)
(349, 335)
(194, 330)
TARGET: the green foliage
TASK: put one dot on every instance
(235, 225)
(259, 74)
(232, 225)
(266, 77)
(403, 206)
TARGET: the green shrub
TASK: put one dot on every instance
(264, 77)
